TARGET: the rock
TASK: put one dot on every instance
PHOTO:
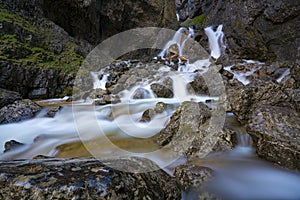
(260, 30)
(107, 99)
(257, 93)
(8, 97)
(188, 132)
(39, 59)
(83, 179)
(52, 111)
(11, 145)
(18, 111)
(94, 21)
(190, 175)
(277, 132)
(192, 179)
(198, 86)
(164, 90)
(147, 115)
(141, 93)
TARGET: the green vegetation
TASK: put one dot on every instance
(35, 46)
(195, 21)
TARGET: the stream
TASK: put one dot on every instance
(82, 129)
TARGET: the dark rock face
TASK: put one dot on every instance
(277, 131)
(18, 111)
(8, 97)
(95, 20)
(261, 30)
(83, 179)
(35, 83)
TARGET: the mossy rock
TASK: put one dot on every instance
(195, 21)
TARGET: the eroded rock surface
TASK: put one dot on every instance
(18, 111)
(84, 179)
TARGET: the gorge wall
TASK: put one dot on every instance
(263, 30)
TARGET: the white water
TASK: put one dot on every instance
(242, 76)
(216, 41)
(238, 176)
(99, 83)
(284, 74)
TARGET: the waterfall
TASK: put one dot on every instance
(215, 39)
(99, 83)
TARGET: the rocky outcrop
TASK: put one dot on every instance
(262, 30)
(36, 83)
(8, 97)
(189, 133)
(38, 58)
(18, 111)
(270, 110)
(84, 179)
(277, 133)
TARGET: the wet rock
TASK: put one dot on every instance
(18, 111)
(190, 175)
(188, 132)
(84, 179)
(160, 107)
(107, 99)
(52, 111)
(8, 97)
(198, 86)
(147, 115)
(192, 179)
(11, 145)
(257, 93)
(141, 93)
(164, 90)
(277, 132)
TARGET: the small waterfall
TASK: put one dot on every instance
(99, 83)
(216, 41)
(177, 39)
(283, 75)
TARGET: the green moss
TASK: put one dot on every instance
(17, 52)
(6, 16)
(195, 21)
(18, 49)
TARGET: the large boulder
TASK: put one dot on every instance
(190, 131)
(84, 179)
(262, 30)
(277, 133)
(8, 97)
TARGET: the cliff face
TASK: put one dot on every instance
(95, 20)
(265, 30)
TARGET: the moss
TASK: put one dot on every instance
(10, 17)
(18, 49)
(18, 52)
(195, 21)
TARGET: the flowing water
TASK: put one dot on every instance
(239, 174)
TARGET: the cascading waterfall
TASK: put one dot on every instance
(238, 172)
(216, 41)
(99, 83)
